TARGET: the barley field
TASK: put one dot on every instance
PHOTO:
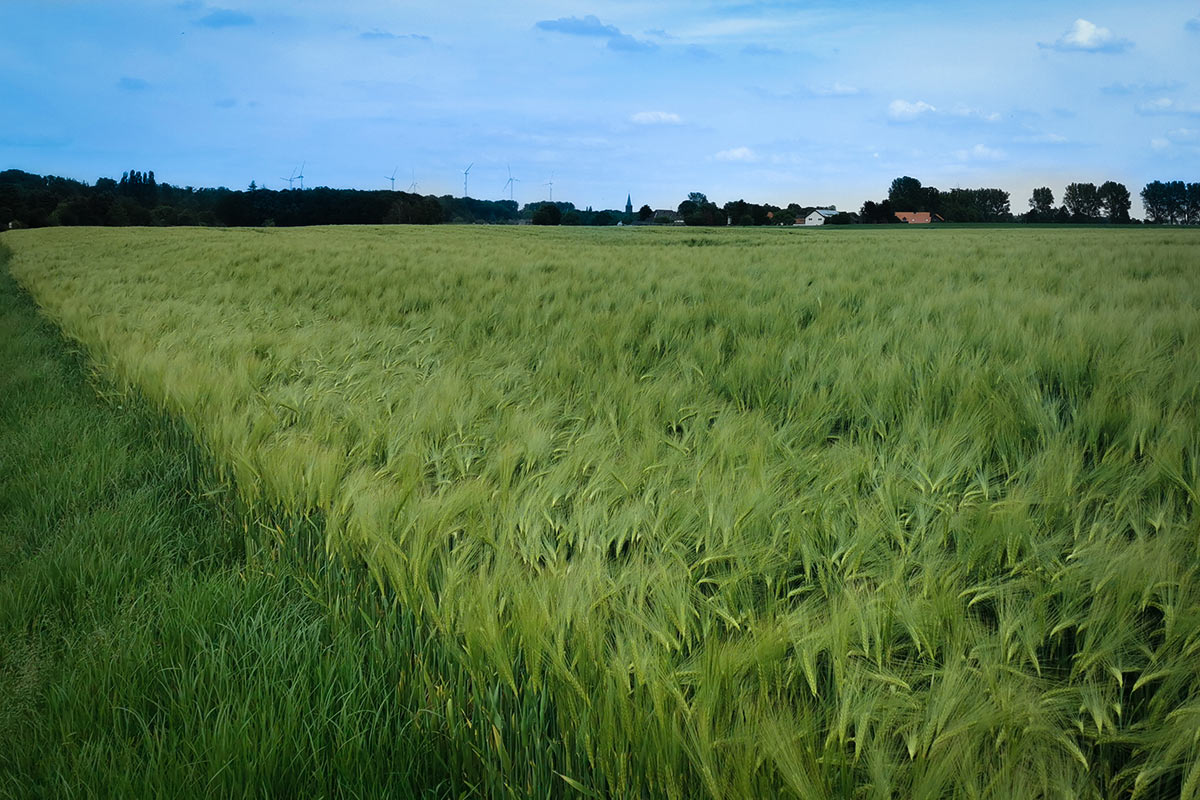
(836, 513)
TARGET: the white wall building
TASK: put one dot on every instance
(819, 216)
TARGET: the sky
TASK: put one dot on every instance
(819, 103)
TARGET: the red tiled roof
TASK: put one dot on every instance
(914, 217)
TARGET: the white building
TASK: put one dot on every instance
(820, 216)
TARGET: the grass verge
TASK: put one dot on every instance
(150, 647)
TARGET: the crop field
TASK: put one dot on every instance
(835, 513)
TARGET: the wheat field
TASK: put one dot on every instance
(836, 513)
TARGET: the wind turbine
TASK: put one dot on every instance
(466, 172)
(392, 178)
(412, 187)
(550, 183)
(289, 180)
(511, 183)
(300, 177)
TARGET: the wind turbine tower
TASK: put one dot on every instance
(300, 177)
(392, 178)
(511, 183)
(289, 180)
(412, 187)
(466, 172)
(550, 183)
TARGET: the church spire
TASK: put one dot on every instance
(628, 204)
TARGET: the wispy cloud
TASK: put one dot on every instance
(906, 111)
(837, 89)
(132, 84)
(980, 152)
(1192, 25)
(1088, 37)
(225, 18)
(739, 154)
(1167, 105)
(656, 118)
(1140, 87)
(1043, 138)
(378, 35)
(592, 26)
(974, 113)
(761, 50)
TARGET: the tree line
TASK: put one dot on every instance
(138, 198)
(955, 205)
(1082, 203)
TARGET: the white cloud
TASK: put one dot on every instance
(1183, 137)
(721, 28)
(656, 118)
(980, 152)
(1141, 87)
(1167, 105)
(1042, 138)
(975, 113)
(838, 89)
(902, 109)
(1089, 37)
(742, 154)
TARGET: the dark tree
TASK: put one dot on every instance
(548, 214)
(878, 213)
(975, 205)
(1177, 202)
(1154, 198)
(1115, 202)
(1082, 201)
(645, 214)
(1042, 203)
(907, 194)
(697, 210)
(1193, 204)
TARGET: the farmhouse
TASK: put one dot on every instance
(820, 216)
(918, 217)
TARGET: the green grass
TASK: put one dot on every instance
(150, 646)
(737, 513)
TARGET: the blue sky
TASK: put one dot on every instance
(811, 102)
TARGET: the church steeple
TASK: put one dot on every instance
(628, 204)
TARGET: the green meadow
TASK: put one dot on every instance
(450, 511)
